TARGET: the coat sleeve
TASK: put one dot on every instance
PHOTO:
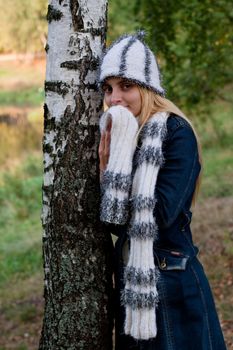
(177, 178)
(117, 230)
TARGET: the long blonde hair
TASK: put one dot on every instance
(152, 103)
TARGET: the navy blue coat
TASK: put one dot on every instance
(186, 316)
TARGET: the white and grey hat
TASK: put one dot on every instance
(129, 57)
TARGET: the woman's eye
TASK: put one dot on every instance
(126, 86)
(107, 89)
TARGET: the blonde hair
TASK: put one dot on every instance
(152, 103)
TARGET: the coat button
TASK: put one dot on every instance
(163, 264)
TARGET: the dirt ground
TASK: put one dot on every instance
(212, 228)
(21, 317)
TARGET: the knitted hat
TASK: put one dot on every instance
(129, 57)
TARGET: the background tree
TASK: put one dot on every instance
(23, 25)
(77, 251)
(194, 42)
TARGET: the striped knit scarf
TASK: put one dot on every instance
(128, 197)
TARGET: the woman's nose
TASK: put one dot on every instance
(116, 97)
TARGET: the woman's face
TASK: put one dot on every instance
(119, 91)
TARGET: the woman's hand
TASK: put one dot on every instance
(104, 148)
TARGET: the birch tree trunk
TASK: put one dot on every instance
(77, 252)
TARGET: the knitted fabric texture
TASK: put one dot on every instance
(129, 198)
(117, 176)
(129, 57)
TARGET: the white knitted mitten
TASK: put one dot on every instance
(116, 180)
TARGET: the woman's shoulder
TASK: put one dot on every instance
(179, 128)
(175, 121)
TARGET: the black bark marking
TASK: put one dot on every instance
(73, 64)
(47, 148)
(59, 87)
(96, 31)
(49, 122)
(80, 106)
(46, 48)
(77, 19)
(49, 125)
(90, 86)
(48, 168)
(53, 14)
(79, 64)
(47, 188)
(85, 64)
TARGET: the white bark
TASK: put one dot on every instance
(72, 230)
(67, 45)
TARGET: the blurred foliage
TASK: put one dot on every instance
(30, 96)
(192, 40)
(216, 182)
(23, 25)
(18, 139)
(122, 18)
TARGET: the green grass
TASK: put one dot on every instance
(32, 96)
(21, 267)
(4, 73)
(215, 128)
(217, 180)
(21, 257)
(19, 347)
(20, 226)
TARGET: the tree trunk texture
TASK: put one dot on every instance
(77, 251)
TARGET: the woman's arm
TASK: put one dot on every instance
(104, 149)
(177, 178)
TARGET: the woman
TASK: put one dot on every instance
(150, 172)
